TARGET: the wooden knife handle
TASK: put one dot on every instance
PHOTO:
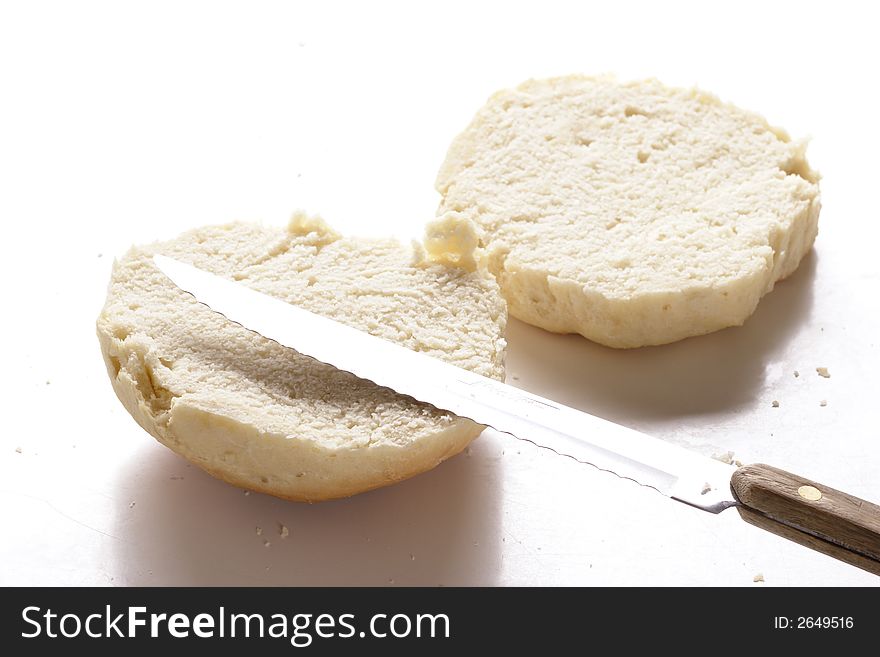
(809, 513)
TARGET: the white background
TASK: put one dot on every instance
(128, 122)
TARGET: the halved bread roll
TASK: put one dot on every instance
(634, 214)
(268, 418)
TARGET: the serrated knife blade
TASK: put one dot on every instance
(683, 475)
(820, 517)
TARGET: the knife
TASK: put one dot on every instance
(822, 518)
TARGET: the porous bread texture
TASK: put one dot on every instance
(631, 213)
(265, 417)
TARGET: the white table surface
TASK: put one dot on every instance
(123, 124)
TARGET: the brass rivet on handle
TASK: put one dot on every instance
(810, 493)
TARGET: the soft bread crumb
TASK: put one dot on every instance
(18, 450)
(796, 374)
(758, 578)
(774, 404)
(265, 417)
(823, 403)
(823, 372)
(419, 256)
(259, 531)
(631, 213)
(453, 240)
(283, 531)
(312, 226)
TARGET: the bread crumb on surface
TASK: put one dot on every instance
(259, 531)
(758, 578)
(706, 488)
(738, 463)
(724, 457)
(823, 372)
(796, 374)
(18, 450)
(131, 505)
(823, 403)
(774, 404)
(283, 531)
(266, 542)
(246, 493)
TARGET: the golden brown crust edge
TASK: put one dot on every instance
(287, 468)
